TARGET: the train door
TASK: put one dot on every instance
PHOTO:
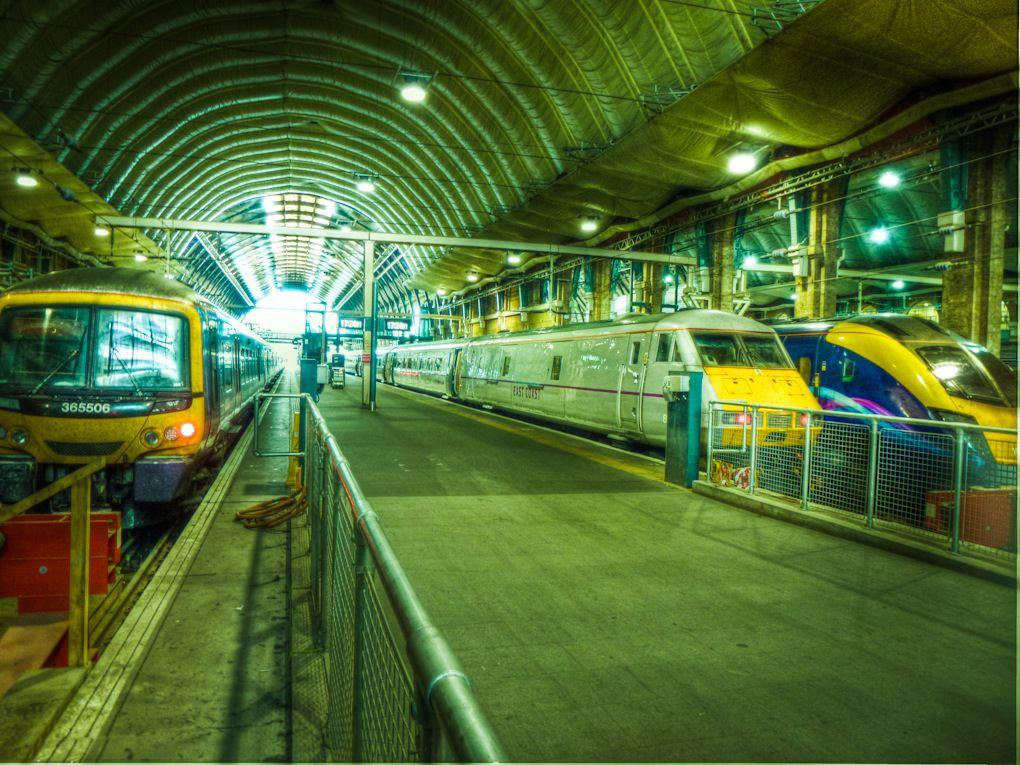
(210, 344)
(631, 381)
(454, 373)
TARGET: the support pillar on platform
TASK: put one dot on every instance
(722, 264)
(368, 331)
(972, 287)
(816, 291)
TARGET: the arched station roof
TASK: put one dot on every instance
(537, 115)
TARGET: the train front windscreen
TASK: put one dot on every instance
(972, 373)
(88, 348)
(724, 349)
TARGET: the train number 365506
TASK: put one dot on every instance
(84, 407)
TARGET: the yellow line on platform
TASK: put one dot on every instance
(653, 472)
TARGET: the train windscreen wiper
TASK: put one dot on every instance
(127, 371)
(73, 354)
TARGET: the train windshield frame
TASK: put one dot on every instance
(758, 350)
(92, 349)
(966, 373)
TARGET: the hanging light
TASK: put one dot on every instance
(899, 284)
(513, 259)
(364, 183)
(667, 278)
(749, 261)
(742, 163)
(472, 277)
(879, 235)
(140, 258)
(25, 179)
(413, 86)
(101, 231)
(589, 223)
(889, 179)
(440, 292)
(346, 228)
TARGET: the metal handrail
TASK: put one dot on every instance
(718, 404)
(447, 688)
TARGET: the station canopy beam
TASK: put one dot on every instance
(390, 238)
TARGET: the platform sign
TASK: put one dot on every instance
(349, 326)
(392, 329)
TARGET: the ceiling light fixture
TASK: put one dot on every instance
(589, 223)
(101, 231)
(364, 183)
(25, 179)
(742, 163)
(667, 278)
(513, 259)
(749, 262)
(889, 179)
(139, 258)
(440, 292)
(879, 235)
(413, 86)
(899, 284)
(346, 228)
(472, 277)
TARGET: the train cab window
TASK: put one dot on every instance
(764, 351)
(718, 350)
(136, 349)
(848, 370)
(663, 347)
(43, 347)
(554, 371)
(635, 352)
(506, 367)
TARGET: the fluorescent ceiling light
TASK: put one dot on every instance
(742, 163)
(26, 180)
(101, 231)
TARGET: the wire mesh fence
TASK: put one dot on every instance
(951, 483)
(395, 692)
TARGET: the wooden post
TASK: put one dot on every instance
(78, 617)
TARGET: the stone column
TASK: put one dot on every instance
(972, 287)
(721, 294)
(816, 292)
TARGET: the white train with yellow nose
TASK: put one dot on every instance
(613, 377)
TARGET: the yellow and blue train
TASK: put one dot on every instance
(125, 365)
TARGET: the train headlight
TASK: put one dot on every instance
(19, 437)
(3, 432)
(171, 434)
(151, 438)
(187, 429)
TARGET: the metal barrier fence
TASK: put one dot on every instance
(395, 691)
(949, 482)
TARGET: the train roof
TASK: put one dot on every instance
(685, 318)
(896, 325)
(119, 281)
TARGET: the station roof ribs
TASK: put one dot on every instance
(536, 115)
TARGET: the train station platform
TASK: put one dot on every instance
(600, 614)
(604, 615)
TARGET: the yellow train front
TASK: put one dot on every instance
(122, 365)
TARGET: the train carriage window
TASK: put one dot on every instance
(635, 351)
(662, 349)
(506, 367)
(554, 371)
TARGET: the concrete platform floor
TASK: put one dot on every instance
(604, 615)
(215, 685)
